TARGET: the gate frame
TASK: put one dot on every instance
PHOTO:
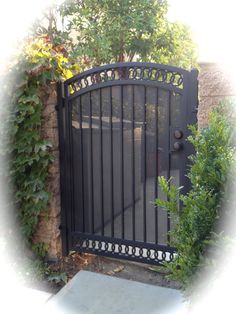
(190, 96)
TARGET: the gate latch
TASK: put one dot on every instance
(178, 135)
(177, 146)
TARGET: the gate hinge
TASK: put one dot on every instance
(62, 104)
(63, 228)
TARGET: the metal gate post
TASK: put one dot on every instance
(191, 116)
(61, 131)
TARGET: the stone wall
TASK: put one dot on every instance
(216, 82)
(48, 228)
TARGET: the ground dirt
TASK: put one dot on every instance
(132, 271)
(75, 262)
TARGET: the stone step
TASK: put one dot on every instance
(93, 293)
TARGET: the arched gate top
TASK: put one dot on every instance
(138, 73)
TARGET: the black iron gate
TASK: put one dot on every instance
(120, 127)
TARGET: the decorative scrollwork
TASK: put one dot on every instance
(110, 247)
(128, 73)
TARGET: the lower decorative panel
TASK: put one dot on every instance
(147, 253)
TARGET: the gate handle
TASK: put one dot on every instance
(177, 146)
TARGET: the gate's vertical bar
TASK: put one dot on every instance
(190, 105)
(144, 168)
(72, 168)
(185, 104)
(91, 159)
(193, 92)
(133, 162)
(169, 155)
(122, 166)
(101, 159)
(156, 165)
(111, 156)
(62, 156)
(68, 155)
(82, 158)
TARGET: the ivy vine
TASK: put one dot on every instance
(40, 64)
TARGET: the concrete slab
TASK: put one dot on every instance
(92, 293)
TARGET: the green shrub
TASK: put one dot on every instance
(200, 215)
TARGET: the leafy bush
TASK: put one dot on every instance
(40, 249)
(41, 63)
(27, 154)
(200, 215)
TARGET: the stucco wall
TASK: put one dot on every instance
(216, 82)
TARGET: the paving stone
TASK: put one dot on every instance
(92, 293)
